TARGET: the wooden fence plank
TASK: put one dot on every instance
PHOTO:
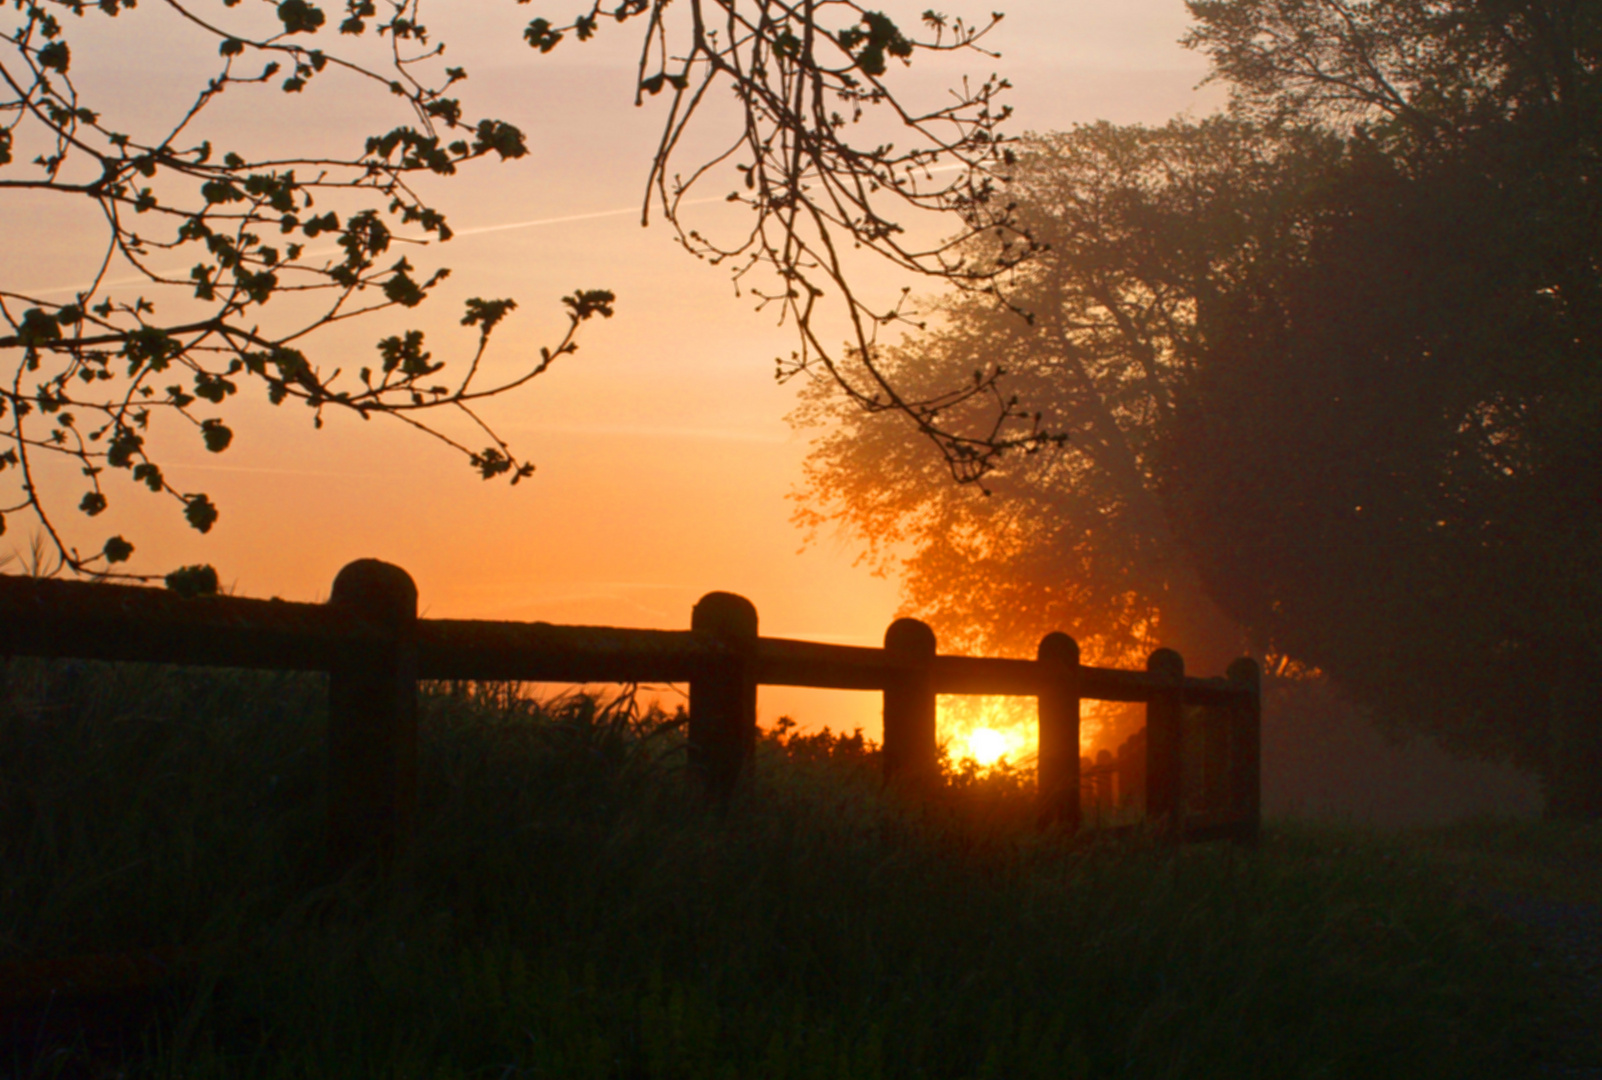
(541, 652)
(723, 695)
(372, 719)
(1246, 761)
(369, 639)
(985, 675)
(1131, 766)
(911, 743)
(91, 620)
(1164, 732)
(786, 662)
(94, 621)
(1057, 771)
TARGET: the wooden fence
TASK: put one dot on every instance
(1195, 772)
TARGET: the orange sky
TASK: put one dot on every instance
(664, 460)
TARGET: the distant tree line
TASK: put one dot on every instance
(1331, 367)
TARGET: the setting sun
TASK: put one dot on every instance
(988, 730)
(987, 746)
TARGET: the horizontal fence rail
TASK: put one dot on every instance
(91, 621)
(1201, 734)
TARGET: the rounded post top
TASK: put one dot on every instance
(377, 590)
(1058, 648)
(1167, 663)
(910, 636)
(1244, 670)
(725, 614)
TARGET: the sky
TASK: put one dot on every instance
(665, 465)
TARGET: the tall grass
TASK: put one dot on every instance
(573, 908)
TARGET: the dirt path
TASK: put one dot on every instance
(1546, 881)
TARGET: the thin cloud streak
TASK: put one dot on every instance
(475, 231)
(478, 230)
(609, 430)
(482, 229)
(509, 226)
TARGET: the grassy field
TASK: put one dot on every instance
(573, 909)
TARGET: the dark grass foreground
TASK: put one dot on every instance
(572, 909)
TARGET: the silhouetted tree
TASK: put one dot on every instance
(273, 245)
(1391, 463)
(1331, 368)
(1138, 227)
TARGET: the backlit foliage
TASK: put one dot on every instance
(1076, 540)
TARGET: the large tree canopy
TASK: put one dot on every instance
(1400, 423)
(273, 245)
(1138, 225)
(1332, 368)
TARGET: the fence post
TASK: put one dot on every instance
(1132, 771)
(722, 734)
(372, 719)
(1057, 774)
(911, 746)
(1215, 795)
(1164, 732)
(1246, 749)
(1106, 770)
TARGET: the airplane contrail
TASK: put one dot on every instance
(478, 230)
(614, 213)
(475, 231)
(638, 431)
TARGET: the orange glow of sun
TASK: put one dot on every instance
(988, 730)
(987, 746)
